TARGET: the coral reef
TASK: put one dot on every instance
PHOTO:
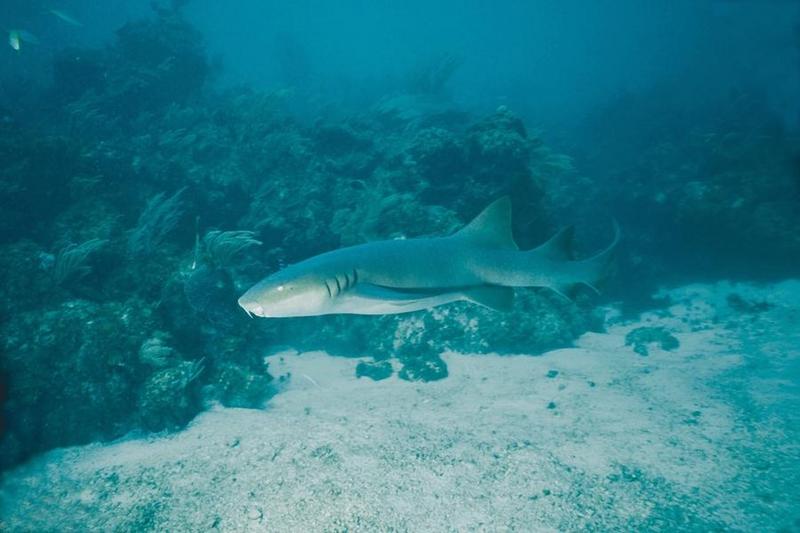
(148, 201)
(73, 373)
(141, 201)
(715, 172)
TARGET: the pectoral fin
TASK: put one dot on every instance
(491, 296)
(366, 298)
(369, 299)
(369, 291)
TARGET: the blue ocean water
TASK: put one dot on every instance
(449, 365)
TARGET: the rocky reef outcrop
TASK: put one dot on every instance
(135, 215)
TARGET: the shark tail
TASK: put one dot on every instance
(550, 265)
(597, 269)
(591, 272)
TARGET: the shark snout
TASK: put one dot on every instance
(251, 307)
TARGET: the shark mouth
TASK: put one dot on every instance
(252, 309)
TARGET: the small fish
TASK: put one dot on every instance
(14, 39)
(17, 37)
(69, 19)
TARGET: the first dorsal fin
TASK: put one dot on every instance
(559, 246)
(492, 227)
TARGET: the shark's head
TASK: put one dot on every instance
(286, 295)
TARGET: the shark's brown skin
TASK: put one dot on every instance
(480, 263)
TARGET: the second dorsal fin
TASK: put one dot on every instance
(492, 227)
(559, 246)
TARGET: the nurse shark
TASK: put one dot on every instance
(480, 263)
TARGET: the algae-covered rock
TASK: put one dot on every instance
(392, 216)
(375, 370)
(440, 158)
(240, 386)
(199, 308)
(429, 367)
(170, 397)
(211, 296)
(73, 372)
(498, 145)
(642, 338)
(539, 321)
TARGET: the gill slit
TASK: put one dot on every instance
(330, 295)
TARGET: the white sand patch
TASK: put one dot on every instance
(614, 440)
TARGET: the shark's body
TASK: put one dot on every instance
(480, 263)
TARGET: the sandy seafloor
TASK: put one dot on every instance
(703, 437)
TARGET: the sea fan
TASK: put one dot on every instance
(155, 352)
(70, 262)
(221, 246)
(160, 216)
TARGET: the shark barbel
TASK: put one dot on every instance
(480, 263)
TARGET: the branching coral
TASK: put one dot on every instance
(160, 216)
(155, 352)
(70, 262)
(221, 246)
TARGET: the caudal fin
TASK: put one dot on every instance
(550, 265)
(591, 272)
